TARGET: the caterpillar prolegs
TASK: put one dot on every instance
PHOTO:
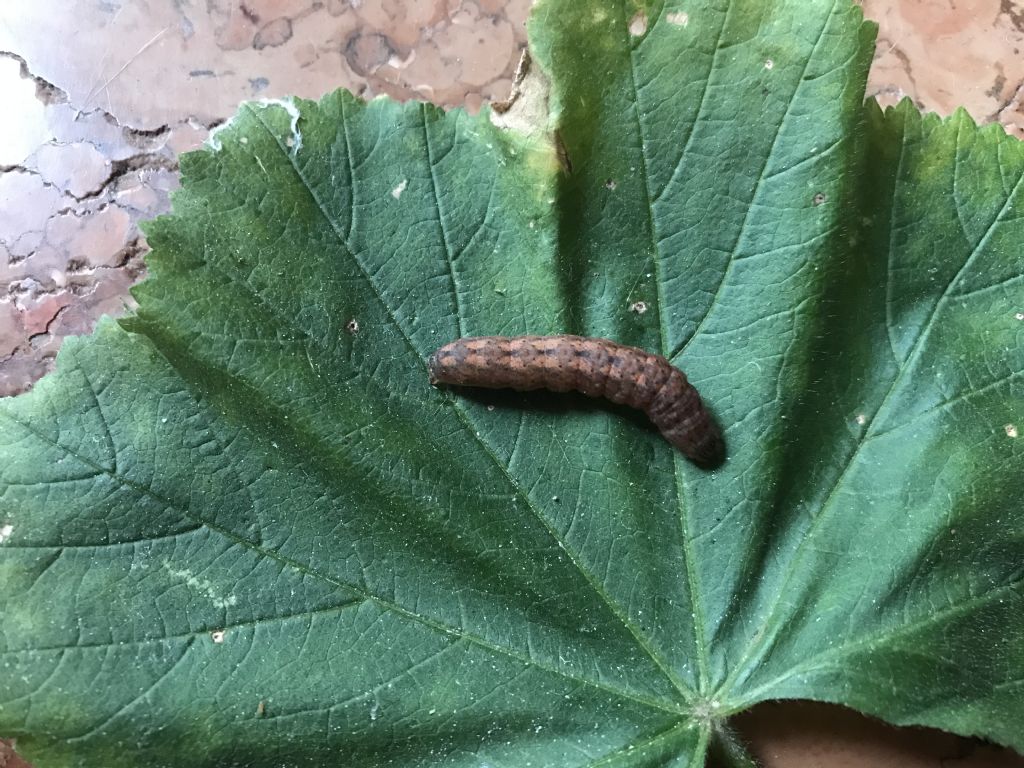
(594, 367)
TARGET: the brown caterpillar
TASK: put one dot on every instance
(595, 367)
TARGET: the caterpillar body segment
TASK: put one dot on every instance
(594, 367)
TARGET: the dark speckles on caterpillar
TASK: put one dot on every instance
(595, 367)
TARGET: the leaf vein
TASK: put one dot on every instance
(131, 704)
(681, 348)
(359, 592)
(690, 576)
(463, 416)
(762, 639)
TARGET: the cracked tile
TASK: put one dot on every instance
(947, 53)
(26, 203)
(39, 312)
(77, 169)
(91, 133)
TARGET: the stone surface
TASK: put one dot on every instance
(950, 53)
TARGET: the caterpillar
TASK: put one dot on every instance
(594, 367)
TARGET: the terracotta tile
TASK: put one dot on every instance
(946, 54)
(77, 169)
(804, 734)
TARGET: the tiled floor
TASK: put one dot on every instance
(102, 96)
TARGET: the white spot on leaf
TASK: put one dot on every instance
(5, 532)
(397, 191)
(205, 586)
(678, 19)
(217, 636)
(1011, 430)
(638, 24)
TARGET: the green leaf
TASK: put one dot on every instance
(241, 528)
